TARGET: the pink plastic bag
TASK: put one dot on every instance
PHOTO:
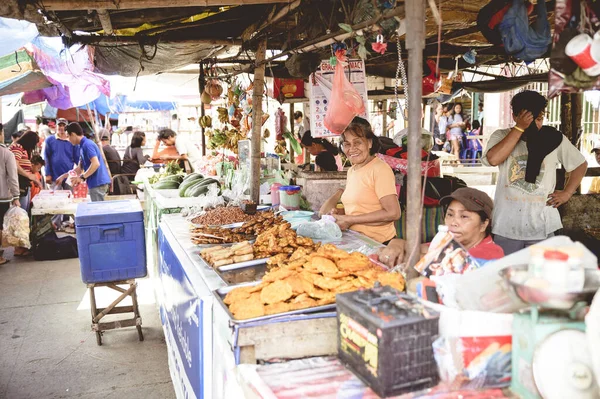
(345, 102)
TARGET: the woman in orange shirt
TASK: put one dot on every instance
(370, 201)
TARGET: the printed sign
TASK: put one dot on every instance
(320, 86)
(181, 315)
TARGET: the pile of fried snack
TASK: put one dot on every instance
(221, 256)
(262, 222)
(308, 279)
(281, 240)
(215, 235)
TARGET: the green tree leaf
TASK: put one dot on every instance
(345, 27)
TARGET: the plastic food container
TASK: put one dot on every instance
(289, 197)
(275, 194)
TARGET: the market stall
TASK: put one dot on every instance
(205, 342)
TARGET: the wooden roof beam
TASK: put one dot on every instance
(73, 5)
(104, 18)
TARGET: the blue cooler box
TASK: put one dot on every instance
(110, 240)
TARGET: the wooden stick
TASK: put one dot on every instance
(257, 98)
(72, 5)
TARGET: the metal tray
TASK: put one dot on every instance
(222, 292)
(235, 266)
(240, 276)
(242, 265)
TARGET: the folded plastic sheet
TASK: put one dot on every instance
(19, 32)
(327, 378)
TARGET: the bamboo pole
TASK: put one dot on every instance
(292, 122)
(201, 86)
(99, 143)
(415, 43)
(257, 98)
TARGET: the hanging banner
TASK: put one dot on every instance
(320, 87)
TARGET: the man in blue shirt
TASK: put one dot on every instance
(91, 164)
(60, 155)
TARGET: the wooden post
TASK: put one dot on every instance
(99, 144)
(257, 97)
(292, 122)
(415, 43)
(384, 118)
(201, 85)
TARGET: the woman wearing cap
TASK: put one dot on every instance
(323, 151)
(370, 201)
(469, 219)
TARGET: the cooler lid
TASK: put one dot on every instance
(108, 212)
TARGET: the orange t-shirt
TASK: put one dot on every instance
(364, 189)
(35, 190)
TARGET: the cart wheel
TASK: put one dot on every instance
(140, 334)
(99, 338)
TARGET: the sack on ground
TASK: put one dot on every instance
(51, 247)
(16, 228)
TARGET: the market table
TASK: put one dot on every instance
(204, 344)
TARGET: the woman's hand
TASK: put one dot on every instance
(35, 180)
(343, 221)
(393, 254)
(16, 202)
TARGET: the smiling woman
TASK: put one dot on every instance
(370, 202)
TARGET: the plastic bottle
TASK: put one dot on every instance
(557, 270)
(442, 232)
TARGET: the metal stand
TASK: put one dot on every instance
(98, 314)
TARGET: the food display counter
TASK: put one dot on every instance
(204, 343)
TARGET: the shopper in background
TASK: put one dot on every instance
(186, 150)
(16, 136)
(134, 157)
(91, 167)
(23, 150)
(9, 188)
(323, 151)
(456, 129)
(469, 219)
(527, 156)
(110, 153)
(37, 163)
(60, 155)
(370, 201)
(595, 187)
(439, 127)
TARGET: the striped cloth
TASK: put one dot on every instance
(21, 156)
(432, 218)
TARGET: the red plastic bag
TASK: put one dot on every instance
(345, 102)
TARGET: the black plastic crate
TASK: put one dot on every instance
(385, 338)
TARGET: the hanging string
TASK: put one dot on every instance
(401, 73)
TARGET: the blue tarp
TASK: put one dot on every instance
(104, 105)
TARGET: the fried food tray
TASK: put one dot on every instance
(235, 266)
(222, 292)
(240, 276)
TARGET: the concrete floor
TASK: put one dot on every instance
(47, 349)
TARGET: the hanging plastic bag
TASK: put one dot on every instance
(345, 103)
(574, 64)
(15, 231)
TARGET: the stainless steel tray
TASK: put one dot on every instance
(240, 276)
(235, 266)
(222, 292)
(242, 265)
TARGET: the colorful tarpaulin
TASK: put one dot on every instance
(20, 73)
(71, 71)
(15, 34)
